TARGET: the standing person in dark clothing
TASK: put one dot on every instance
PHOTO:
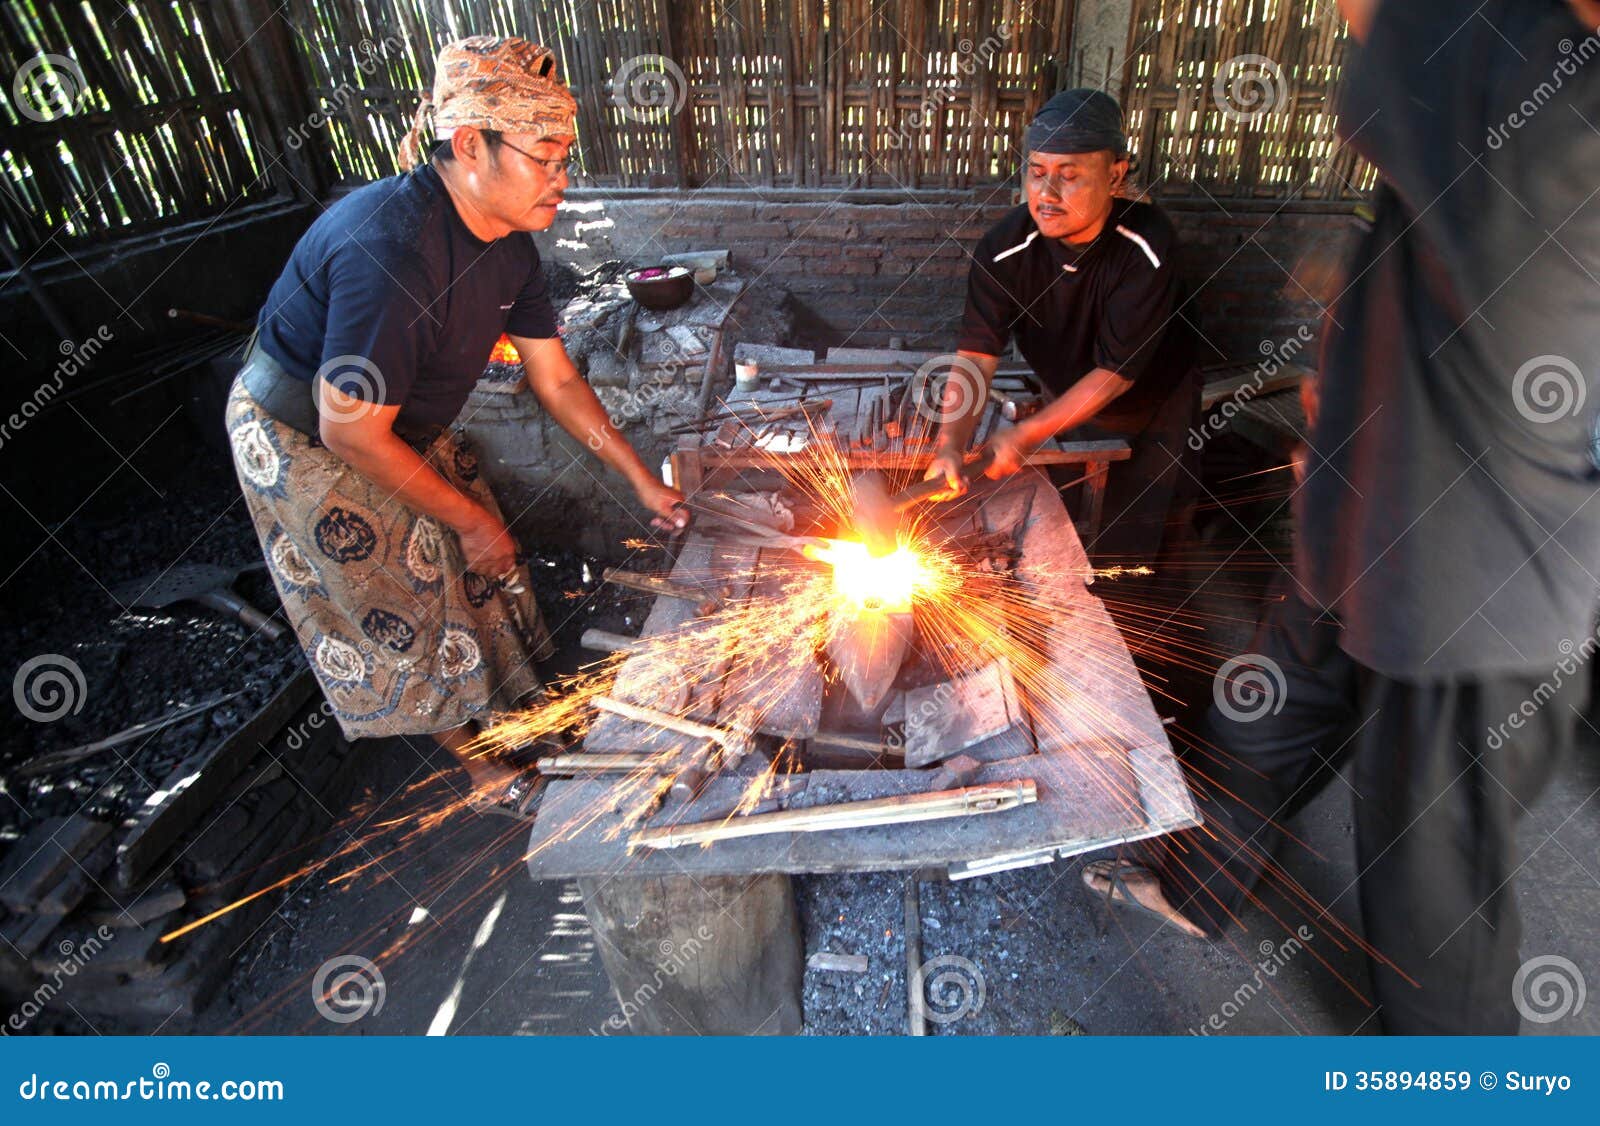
(1085, 282)
(1449, 524)
(391, 556)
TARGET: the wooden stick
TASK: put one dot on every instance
(916, 1001)
(989, 797)
(727, 740)
(656, 584)
(54, 760)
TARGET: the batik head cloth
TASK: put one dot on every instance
(489, 82)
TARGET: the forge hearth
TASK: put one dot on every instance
(1099, 780)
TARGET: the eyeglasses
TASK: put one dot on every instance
(552, 167)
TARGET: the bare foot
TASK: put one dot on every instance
(489, 776)
(1140, 883)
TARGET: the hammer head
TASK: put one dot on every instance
(876, 518)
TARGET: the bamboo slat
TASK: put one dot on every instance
(761, 93)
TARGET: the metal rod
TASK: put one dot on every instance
(992, 797)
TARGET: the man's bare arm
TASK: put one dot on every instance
(362, 435)
(1083, 400)
(573, 404)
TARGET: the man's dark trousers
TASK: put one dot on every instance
(1441, 780)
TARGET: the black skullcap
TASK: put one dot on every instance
(1077, 121)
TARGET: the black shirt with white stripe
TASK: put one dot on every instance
(1109, 304)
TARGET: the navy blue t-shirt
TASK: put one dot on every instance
(395, 301)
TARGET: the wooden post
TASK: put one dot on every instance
(276, 85)
(713, 956)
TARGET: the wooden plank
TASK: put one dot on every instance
(197, 782)
(946, 718)
(1068, 818)
(46, 856)
(1289, 376)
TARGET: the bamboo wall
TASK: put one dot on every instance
(768, 93)
(1209, 117)
(119, 118)
(168, 109)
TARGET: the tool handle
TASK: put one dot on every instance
(604, 641)
(231, 603)
(926, 490)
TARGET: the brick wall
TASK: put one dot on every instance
(867, 266)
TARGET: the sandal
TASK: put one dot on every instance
(519, 801)
(1117, 891)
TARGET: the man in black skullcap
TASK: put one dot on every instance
(1084, 281)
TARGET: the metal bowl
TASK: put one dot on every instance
(660, 287)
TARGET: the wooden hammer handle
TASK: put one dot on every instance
(926, 490)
